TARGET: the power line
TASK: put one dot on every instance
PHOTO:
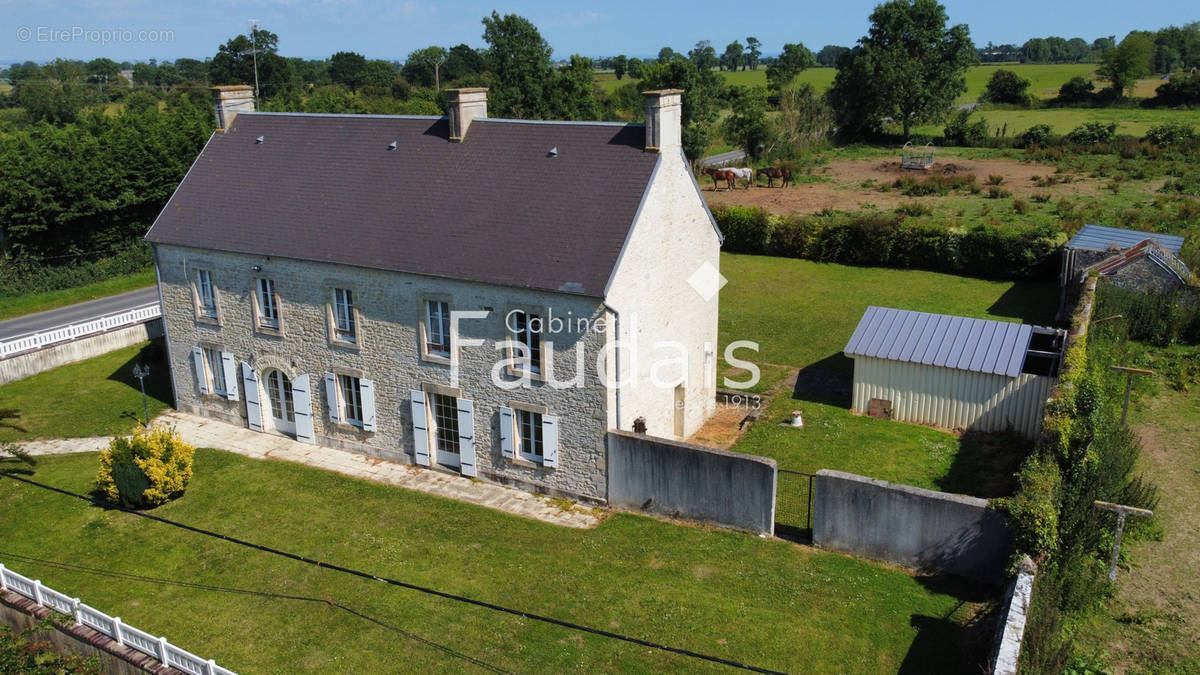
(414, 587)
(262, 594)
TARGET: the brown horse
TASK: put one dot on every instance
(726, 175)
(783, 173)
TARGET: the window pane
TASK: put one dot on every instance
(216, 371)
(351, 399)
(269, 313)
(529, 427)
(204, 289)
(343, 312)
(445, 418)
(438, 327)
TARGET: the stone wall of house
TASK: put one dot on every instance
(674, 238)
(387, 352)
(1146, 276)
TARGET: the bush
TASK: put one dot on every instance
(1038, 134)
(1077, 90)
(25, 276)
(1179, 90)
(1005, 86)
(1092, 133)
(1159, 319)
(147, 469)
(747, 229)
(914, 209)
(1171, 134)
(1188, 184)
(936, 184)
(960, 130)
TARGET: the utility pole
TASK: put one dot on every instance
(140, 372)
(254, 55)
(1121, 510)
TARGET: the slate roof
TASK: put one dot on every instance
(977, 345)
(1101, 237)
(495, 208)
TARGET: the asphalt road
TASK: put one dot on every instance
(724, 158)
(79, 313)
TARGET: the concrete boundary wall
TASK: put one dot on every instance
(1011, 629)
(921, 529)
(680, 480)
(31, 363)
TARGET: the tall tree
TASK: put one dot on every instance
(102, 70)
(519, 59)
(235, 60)
(667, 54)
(753, 53)
(732, 56)
(701, 91)
(829, 55)
(347, 68)
(620, 64)
(747, 125)
(462, 61)
(909, 67)
(703, 55)
(794, 59)
(379, 74)
(423, 66)
(574, 96)
(1128, 61)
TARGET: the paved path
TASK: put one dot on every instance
(78, 313)
(205, 433)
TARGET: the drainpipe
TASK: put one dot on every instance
(616, 358)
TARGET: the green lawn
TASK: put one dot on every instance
(40, 302)
(763, 602)
(97, 397)
(802, 313)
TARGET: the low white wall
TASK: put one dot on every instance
(1012, 620)
(31, 363)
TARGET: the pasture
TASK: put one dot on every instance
(1130, 121)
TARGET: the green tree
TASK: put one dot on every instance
(732, 56)
(909, 66)
(53, 101)
(703, 55)
(804, 119)
(753, 53)
(167, 76)
(667, 54)
(379, 74)
(620, 65)
(794, 59)
(423, 66)
(235, 60)
(635, 68)
(829, 55)
(192, 69)
(462, 61)
(701, 92)
(1005, 86)
(1127, 62)
(574, 95)
(747, 126)
(145, 73)
(347, 68)
(102, 70)
(519, 59)
(1076, 90)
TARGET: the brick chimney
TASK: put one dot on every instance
(229, 100)
(664, 109)
(466, 105)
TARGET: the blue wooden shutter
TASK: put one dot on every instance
(506, 432)
(420, 428)
(253, 407)
(230, 370)
(201, 378)
(466, 437)
(302, 402)
(331, 398)
(549, 440)
(366, 390)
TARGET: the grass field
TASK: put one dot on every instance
(97, 397)
(767, 603)
(1045, 78)
(40, 302)
(1130, 121)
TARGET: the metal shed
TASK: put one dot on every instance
(1093, 243)
(952, 371)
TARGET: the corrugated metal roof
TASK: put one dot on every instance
(979, 345)
(1100, 237)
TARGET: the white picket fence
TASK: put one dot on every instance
(112, 626)
(75, 331)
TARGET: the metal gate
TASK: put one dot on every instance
(793, 505)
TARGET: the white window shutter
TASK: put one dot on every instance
(201, 378)
(229, 366)
(420, 428)
(253, 406)
(549, 440)
(466, 437)
(506, 432)
(302, 402)
(367, 392)
(331, 398)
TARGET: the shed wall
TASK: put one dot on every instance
(951, 398)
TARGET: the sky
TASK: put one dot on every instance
(41, 30)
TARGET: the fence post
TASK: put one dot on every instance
(210, 668)
(3, 586)
(37, 591)
(75, 609)
(117, 631)
(162, 651)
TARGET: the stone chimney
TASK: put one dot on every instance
(229, 100)
(664, 110)
(466, 105)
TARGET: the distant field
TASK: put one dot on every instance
(1045, 79)
(4, 87)
(1131, 121)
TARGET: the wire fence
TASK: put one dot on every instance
(793, 505)
(112, 626)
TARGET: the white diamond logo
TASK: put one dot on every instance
(707, 281)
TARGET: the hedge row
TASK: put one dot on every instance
(892, 240)
(19, 278)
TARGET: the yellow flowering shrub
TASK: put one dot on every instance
(145, 469)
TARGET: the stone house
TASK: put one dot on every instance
(485, 296)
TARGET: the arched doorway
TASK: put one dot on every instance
(279, 398)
